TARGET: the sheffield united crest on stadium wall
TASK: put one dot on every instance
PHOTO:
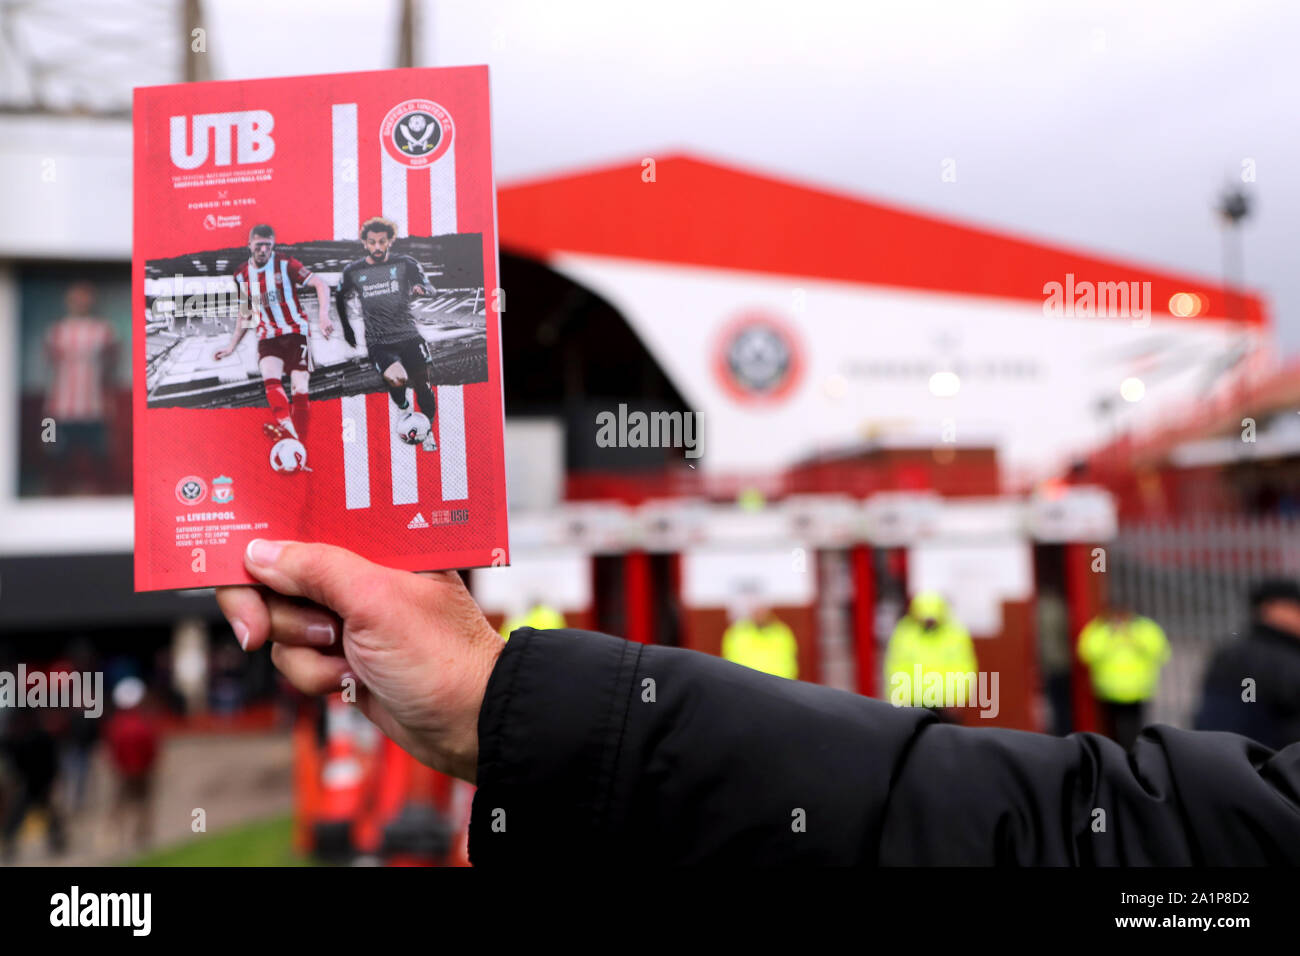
(758, 358)
(416, 132)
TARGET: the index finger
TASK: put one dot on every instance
(245, 608)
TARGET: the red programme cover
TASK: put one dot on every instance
(256, 415)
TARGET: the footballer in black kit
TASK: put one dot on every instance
(384, 284)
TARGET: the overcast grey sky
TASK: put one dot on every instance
(1110, 126)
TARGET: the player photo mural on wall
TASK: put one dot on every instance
(314, 262)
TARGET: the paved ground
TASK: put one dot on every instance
(233, 779)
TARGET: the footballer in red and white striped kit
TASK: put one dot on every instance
(269, 284)
(81, 350)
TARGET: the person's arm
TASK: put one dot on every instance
(729, 638)
(590, 749)
(593, 749)
(1159, 644)
(790, 652)
(322, 289)
(1090, 642)
(300, 276)
(111, 355)
(420, 284)
(341, 304)
(243, 322)
(898, 653)
(969, 662)
(229, 350)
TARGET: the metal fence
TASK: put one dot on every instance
(1193, 577)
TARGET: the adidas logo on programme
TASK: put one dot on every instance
(418, 521)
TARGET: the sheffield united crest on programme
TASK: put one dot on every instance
(417, 132)
(313, 263)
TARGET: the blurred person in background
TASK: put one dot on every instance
(1054, 658)
(1124, 653)
(81, 350)
(132, 737)
(34, 757)
(79, 735)
(119, 667)
(539, 615)
(1252, 686)
(761, 640)
(162, 682)
(928, 639)
(227, 690)
(191, 666)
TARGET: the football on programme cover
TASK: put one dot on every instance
(317, 339)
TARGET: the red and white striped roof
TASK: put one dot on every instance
(702, 213)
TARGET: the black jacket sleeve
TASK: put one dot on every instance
(595, 749)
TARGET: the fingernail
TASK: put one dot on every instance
(241, 633)
(320, 633)
(261, 551)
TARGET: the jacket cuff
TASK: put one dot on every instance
(549, 733)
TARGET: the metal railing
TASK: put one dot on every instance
(1193, 577)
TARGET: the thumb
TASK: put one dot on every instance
(333, 577)
(444, 577)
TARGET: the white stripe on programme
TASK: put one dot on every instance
(347, 201)
(393, 186)
(442, 193)
(406, 479)
(356, 452)
(347, 220)
(406, 485)
(451, 442)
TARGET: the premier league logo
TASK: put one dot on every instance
(416, 132)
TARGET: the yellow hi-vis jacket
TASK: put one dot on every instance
(770, 648)
(914, 652)
(541, 618)
(1124, 657)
